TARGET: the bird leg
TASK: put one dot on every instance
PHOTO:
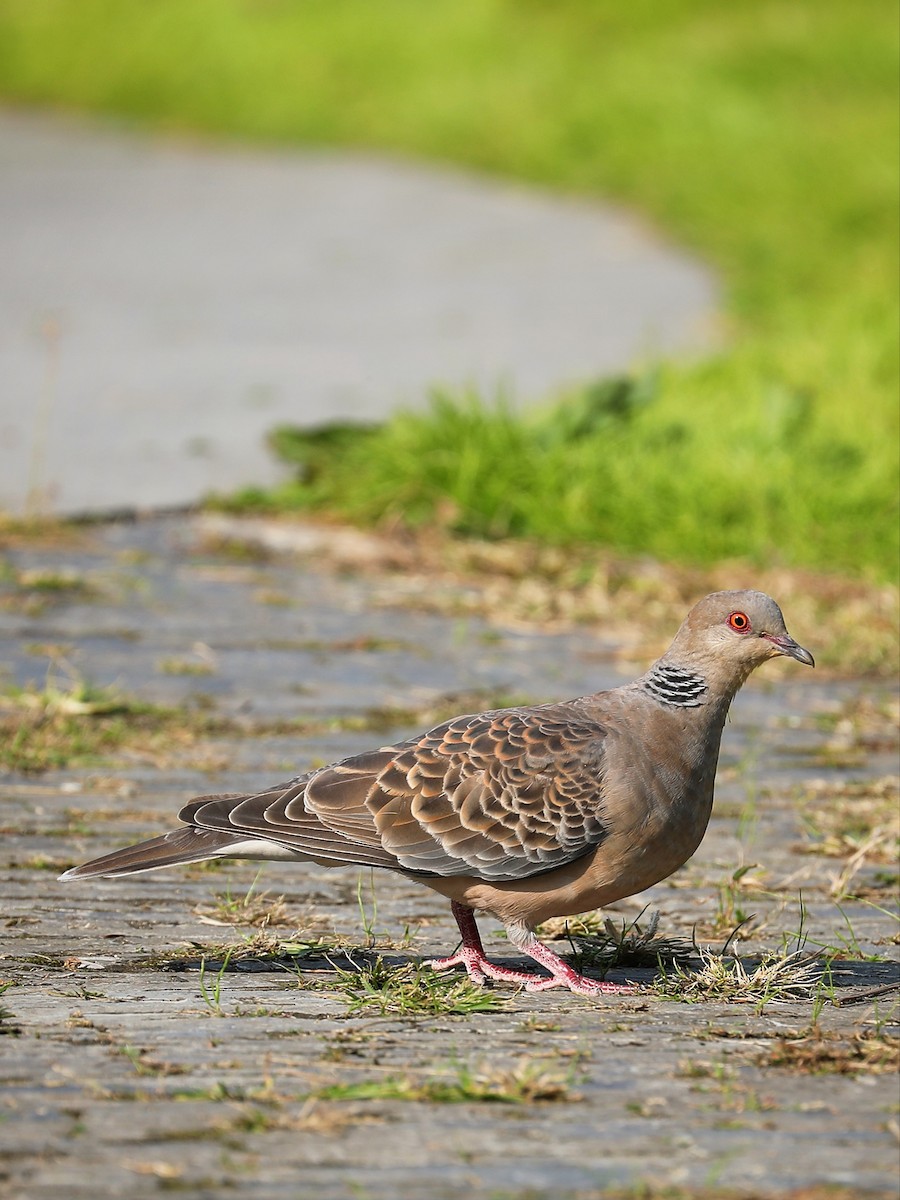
(561, 974)
(471, 956)
(471, 953)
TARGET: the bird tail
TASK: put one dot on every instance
(184, 845)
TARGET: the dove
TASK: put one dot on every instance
(522, 813)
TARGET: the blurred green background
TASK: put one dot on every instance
(763, 135)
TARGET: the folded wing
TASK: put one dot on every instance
(500, 795)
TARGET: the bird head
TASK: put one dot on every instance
(727, 635)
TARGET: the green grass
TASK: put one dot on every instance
(75, 723)
(762, 135)
(6, 1015)
(774, 484)
(410, 989)
(72, 722)
(529, 1081)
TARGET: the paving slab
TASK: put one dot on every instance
(126, 1069)
(164, 304)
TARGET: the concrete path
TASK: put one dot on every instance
(163, 304)
(124, 1071)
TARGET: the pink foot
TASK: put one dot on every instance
(561, 974)
(478, 968)
(580, 984)
(471, 956)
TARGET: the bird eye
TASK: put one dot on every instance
(739, 621)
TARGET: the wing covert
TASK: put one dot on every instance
(502, 795)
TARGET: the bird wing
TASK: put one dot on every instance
(501, 795)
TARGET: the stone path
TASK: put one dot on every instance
(164, 304)
(124, 1070)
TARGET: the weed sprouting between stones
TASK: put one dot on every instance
(411, 989)
(259, 910)
(6, 1014)
(820, 1051)
(793, 976)
(605, 945)
(529, 1081)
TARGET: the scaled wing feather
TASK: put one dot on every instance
(503, 795)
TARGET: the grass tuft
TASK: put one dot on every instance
(818, 1051)
(530, 1081)
(793, 976)
(54, 726)
(602, 945)
(256, 909)
(6, 1014)
(851, 818)
(411, 989)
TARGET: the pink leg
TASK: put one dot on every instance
(471, 953)
(471, 956)
(561, 974)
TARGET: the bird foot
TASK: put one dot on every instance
(580, 984)
(479, 970)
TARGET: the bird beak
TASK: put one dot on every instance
(786, 645)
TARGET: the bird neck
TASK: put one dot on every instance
(677, 683)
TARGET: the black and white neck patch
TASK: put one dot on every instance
(672, 685)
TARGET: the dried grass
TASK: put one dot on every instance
(844, 819)
(259, 910)
(783, 977)
(856, 821)
(635, 603)
(820, 1051)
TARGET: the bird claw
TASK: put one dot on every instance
(458, 960)
(483, 972)
(581, 985)
(480, 970)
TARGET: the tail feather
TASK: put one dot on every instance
(185, 845)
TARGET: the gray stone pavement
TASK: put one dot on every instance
(163, 303)
(118, 1078)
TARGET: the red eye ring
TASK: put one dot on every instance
(739, 622)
